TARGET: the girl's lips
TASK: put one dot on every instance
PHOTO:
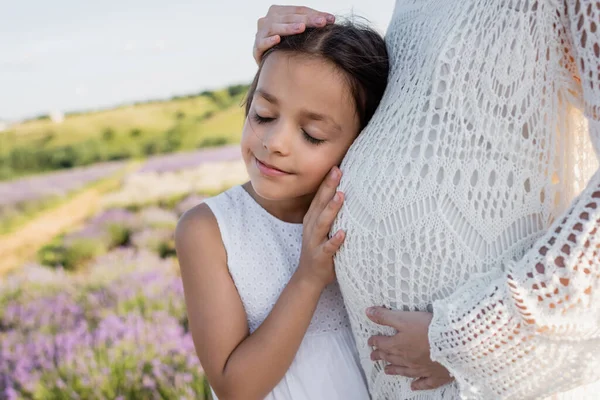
(269, 170)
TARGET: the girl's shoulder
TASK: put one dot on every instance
(208, 225)
(198, 228)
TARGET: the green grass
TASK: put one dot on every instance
(134, 131)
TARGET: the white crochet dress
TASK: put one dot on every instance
(262, 255)
(474, 189)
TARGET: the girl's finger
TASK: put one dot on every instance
(327, 216)
(325, 192)
(333, 245)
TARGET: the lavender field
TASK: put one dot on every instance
(100, 313)
(14, 193)
(180, 161)
(24, 197)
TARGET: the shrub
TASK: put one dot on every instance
(108, 134)
(212, 142)
(157, 240)
(151, 147)
(235, 90)
(71, 256)
(135, 132)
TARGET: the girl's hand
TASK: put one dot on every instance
(284, 21)
(316, 258)
(407, 352)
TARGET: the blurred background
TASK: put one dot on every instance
(115, 118)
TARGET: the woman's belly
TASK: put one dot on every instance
(424, 211)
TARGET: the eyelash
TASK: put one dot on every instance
(263, 120)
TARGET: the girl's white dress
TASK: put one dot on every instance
(475, 192)
(262, 254)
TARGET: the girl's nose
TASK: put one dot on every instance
(277, 139)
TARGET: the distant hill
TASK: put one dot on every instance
(47, 143)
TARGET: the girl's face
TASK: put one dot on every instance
(301, 123)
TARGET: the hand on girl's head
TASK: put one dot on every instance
(284, 21)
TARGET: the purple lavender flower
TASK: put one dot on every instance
(178, 161)
(155, 217)
(156, 240)
(115, 216)
(45, 313)
(142, 351)
(35, 188)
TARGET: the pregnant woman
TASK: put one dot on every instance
(473, 201)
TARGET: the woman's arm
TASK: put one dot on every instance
(239, 365)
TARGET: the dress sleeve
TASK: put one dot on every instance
(534, 328)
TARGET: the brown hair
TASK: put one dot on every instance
(357, 50)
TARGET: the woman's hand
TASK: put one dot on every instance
(284, 21)
(407, 352)
(316, 258)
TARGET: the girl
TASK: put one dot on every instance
(256, 261)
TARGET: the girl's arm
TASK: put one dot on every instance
(239, 365)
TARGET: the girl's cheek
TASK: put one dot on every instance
(246, 138)
(250, 133)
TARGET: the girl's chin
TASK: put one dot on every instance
(270, 192)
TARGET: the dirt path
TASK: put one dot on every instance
(21, 245)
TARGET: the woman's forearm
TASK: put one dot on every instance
(261, 360)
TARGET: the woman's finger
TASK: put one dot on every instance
(386, 343)
(428, 383)
(281, 11)
(270, 35)
(286, 20)
(402, 371)
(264, 44)
(283, 29)
(381, 355)
(383, 316)
(311, 21)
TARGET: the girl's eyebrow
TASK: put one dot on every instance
(267, 96)
(320, 117)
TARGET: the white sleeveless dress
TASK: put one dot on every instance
(262, 255)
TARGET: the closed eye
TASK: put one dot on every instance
(261, 120)
(264, 120)
(311, 139)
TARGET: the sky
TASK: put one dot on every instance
(68, 55)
